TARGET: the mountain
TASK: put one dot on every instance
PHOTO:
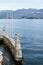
(22, 13)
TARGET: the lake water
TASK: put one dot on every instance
(31, 37)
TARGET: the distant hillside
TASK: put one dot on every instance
(22, 13)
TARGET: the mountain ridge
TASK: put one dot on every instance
(22, 13)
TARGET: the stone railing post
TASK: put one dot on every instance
(1, 58)
(18, 51)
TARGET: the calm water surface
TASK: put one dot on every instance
(31, 37)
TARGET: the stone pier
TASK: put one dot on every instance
(14, 46)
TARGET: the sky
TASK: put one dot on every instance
(20, 4)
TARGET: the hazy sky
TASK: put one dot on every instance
(19, 4)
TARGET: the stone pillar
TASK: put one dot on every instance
(1, 58)
(18, 51)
